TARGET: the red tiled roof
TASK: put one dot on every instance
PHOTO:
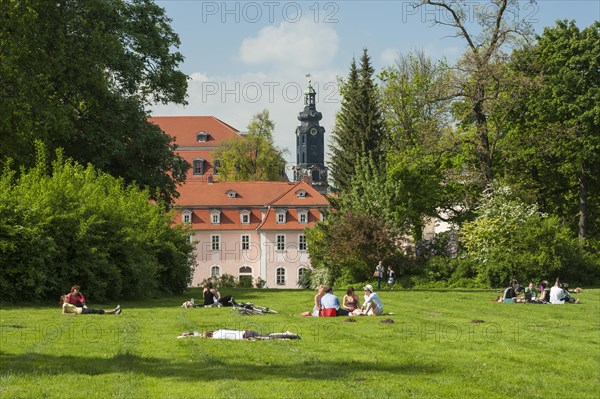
(249, 194)
(184, 129)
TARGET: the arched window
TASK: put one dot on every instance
(301, 272)
(201, 137)
(198, 166)
(245, 277)
(280, 273)
(215, 271)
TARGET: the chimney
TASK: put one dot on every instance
(209, 178)
(307, 179)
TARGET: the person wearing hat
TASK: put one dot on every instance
(372, 305)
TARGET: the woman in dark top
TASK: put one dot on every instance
(350, 301)
(211, 295)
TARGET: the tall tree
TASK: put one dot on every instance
(556, 129)
(480, 78)
(80, 74)
(359, 129)
(254, 156)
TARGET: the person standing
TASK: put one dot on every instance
(391, 277)
(378, 274)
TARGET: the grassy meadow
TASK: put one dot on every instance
(452, 343)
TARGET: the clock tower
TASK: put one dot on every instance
(310, 143)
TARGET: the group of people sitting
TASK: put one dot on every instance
(327, 304)
(74, 303)
(543, 293)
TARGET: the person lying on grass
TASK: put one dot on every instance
(240, 335)
(68, 308)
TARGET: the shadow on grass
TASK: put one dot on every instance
(205, 368)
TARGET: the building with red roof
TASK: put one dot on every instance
(249, 230)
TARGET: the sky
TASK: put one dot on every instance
(246, 56)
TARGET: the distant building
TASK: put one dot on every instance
(310, 144)
(249, 230)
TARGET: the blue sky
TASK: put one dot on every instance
(245, 56)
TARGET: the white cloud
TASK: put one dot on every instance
(389, 56)
(304, 44)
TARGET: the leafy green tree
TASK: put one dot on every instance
(511, 239)
(80, 75)
(254, 156)
(75, 224)
(480, 76)
(555, 152)
(359, 130)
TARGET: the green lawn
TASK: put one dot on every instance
(433, 349)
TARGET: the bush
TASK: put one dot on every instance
(76, 225)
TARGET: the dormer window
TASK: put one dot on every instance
(198, 166)
(186, 216)
(301, 193)
(202, 137)
(281, 215)
(231, 193)
(245, 216)
(217, 165)
(215, 216)
(302, 216)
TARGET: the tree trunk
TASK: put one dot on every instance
(583, 205)
(483, 145)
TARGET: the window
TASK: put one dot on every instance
(301, 194)
(201, 137)
(186, 216)
(191, 238)
(215, 217)
(281, 215)
(198, 167)
(217, 166)
(245, 277)
(245, 242)
(231, 194)
(301, 272)
(302, 242)
(215, 271)
(302, 216)
(280, 242)
(245, 216)
(215, 242)
(280, 276)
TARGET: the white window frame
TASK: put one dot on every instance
(302, 216)
(280, 244)
(281, 216)
(231, 193)
(245, 217)
(245, 246)
(302, 246)
(280, 275)
(301, 194)
(215, 216)
(213, 269)
(202, 137)
(215, 242)
(186, 216)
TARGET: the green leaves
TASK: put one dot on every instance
(78, 225)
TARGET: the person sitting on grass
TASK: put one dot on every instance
(351, 301)
(212, 297)
(330, 301)
(75, 297)
(510, 294)
(558, 296)
(372, 305)
(68, 308)
(240, 335)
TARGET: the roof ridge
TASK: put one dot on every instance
(264, 219)
(285, 193)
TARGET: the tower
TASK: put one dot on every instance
(310, 143)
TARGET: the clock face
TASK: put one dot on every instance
(313, 131)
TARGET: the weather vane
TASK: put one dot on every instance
(308, 76)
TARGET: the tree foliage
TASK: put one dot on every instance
(555, 131)
(76, 225)
(511, 239)
(359, 131)
(79, 75)
(253, 156)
